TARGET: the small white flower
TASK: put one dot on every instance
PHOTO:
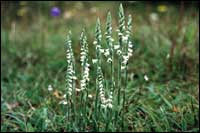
(64, 96)
(68, 56)
(123, 67)
(95, 42)
(130, 50)
(123, 27)
(94, 61)
(47, 121)
(74, 77)
(119, 52)
(112, 40)
(106, 53)
(102, 50)
(70, 93)
(109, 60)
(100, 36)
(64, 102)
(90, 96)
(129, 54)
(88, 79)
(108, 36)
(130, 44)
(83, 53)
(98, 46)
(87, 64)
(116, 47)
(78, 90)
(102, 95)
(120, 34)
(168, 55)
(128, 32)
(109, 105)
(154, 16)
(50, 88)
(146, 78)
(124, 38)
(125, 57)
(70, 85)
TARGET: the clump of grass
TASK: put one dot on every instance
(155, 100)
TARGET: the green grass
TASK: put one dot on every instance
(33, 56)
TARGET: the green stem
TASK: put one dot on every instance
(68, 112)
(112, 72)
(74, 97)
(119, 70)
(96, 104)
(85, 111)
(81, 109)
(124, 97)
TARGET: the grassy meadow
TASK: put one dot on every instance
(162, 88)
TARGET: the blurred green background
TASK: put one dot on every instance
(166, 49)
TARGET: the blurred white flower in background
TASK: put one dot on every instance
(50, 88)
(64, 96)
(90, 96)
(146, 78)
(168, 56)
(116, 47)
(78, 90)
(94, 61)
(47, 121)
(153, 17)
(106, 52)
(74, 77)
(93, 10)
(109, 60)
(64, 102)
(67, 14)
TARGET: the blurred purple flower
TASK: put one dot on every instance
(55, 11)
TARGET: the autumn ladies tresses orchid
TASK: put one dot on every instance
(121, 32)
(105, 102)
(97, 41)
(110, 55)
(127, 53)
(109, 52)
(70, 75)
(124, 52)
(84, 61)
(105, 89)
(99, 50)
(70, 80)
